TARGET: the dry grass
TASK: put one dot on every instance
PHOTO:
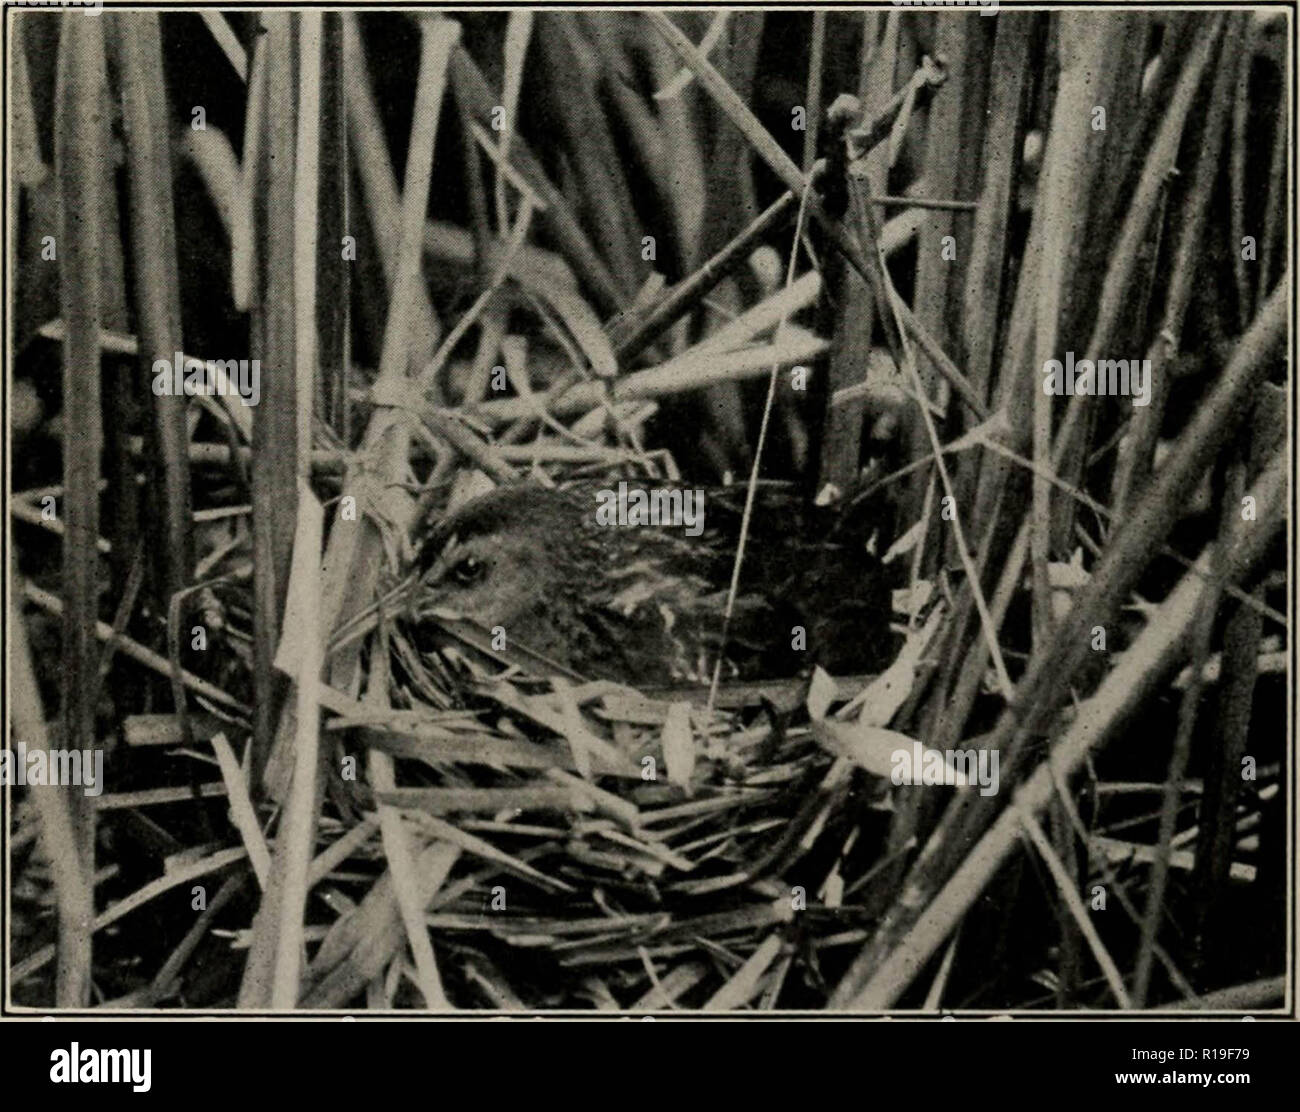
(375, 826)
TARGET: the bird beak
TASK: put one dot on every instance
(424, 594)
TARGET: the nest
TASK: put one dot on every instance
(568, 844)
(581, 845)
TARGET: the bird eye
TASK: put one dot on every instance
(468, 571)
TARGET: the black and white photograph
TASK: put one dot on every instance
(625, 511)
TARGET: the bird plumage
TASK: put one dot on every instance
(645, 604)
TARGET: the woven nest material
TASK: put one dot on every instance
(585, 844)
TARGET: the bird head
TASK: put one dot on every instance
(502, 557)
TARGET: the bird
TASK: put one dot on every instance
(645, 604)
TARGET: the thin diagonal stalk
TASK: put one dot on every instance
(1065, 884)
(734, 585)
(1201, 634)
